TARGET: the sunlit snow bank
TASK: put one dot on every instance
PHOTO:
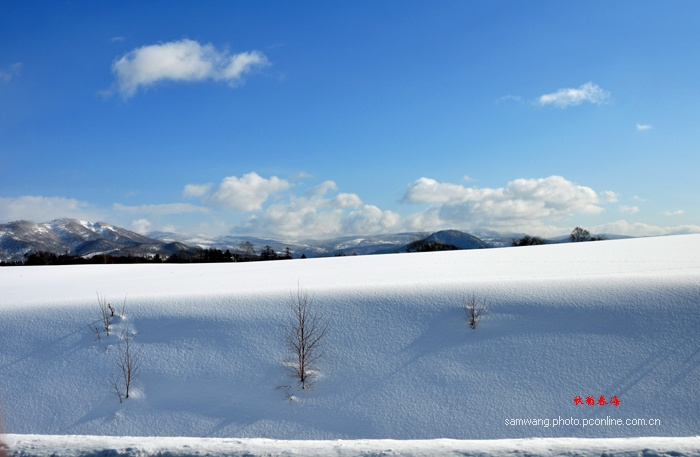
(604, 319)
(94, 446)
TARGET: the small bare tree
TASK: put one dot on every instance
(106, 311)
(128, 362)
(578, 234)
(475, 310)
(304, 336)
(123, 310)
(96, 330)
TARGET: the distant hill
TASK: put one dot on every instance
(77, 238)
(459, 239)
(86, 239)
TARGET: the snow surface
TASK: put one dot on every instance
(94, 446)
(611, 318)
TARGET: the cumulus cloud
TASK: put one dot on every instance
(564, 98)
(623, 227)
(196, 190)
(369, 219)
(346, 201)
(523, 202)
(184, 60)
(41, 209)
(319, 214)
(426, 190)
(642, 127)
(247, 193)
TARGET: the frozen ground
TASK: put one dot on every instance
(612, 319)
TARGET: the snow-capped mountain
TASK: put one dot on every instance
(78, 238)
(82, 238)
(347, 245)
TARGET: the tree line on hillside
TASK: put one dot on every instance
(245, 253)
(577, 235)
(424, 244)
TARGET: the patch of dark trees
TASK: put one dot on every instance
(425, 245)
(577, 235)
(194, 255)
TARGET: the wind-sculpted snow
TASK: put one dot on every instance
(604, 319)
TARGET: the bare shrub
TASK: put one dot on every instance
(96, 330)
(123, 310)
(128, 362)
(106, 312)
(475, 309)
(304, 336)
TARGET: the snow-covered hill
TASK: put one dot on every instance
(612, 319)
(458, 239)
(347, 245)
(75, 237)
(83, 238)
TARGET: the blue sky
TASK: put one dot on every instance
(322, 119)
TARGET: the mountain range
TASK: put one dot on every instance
(86, 239)
(77, 238)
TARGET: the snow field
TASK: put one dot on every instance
(607, 318)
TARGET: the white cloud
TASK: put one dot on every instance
(42, 209)
(161, 209)
(629, 209)
(609, 196)
(564, 98)
(346, 201)
(674, 213)
(247, 193)
(322, 189)
(184, 60)
(522, 203)
(369, 219)
(426, 190)
(141, 226)
(642, 127)
(10, 72)
(196, 190)
(623, 227)
(317, 214)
